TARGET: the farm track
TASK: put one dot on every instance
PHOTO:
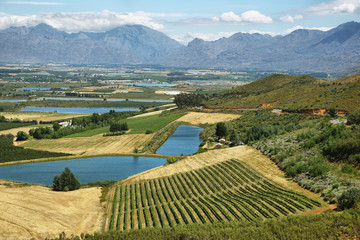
(225, 191)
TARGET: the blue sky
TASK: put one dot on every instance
(182, 20)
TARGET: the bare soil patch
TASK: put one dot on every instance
(37, 212)
(202, 118)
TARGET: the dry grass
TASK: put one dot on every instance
(14, 131)
(95, 145)
(37, 212)
(41, 116)
(197, 118)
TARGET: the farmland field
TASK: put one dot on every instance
(226, 191)
(95, 145)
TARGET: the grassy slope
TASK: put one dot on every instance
(303, 92)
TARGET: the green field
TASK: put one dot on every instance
(136, 125)
(9, 152)
(228, 191)
(10, 125)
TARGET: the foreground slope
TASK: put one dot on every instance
(37, 212)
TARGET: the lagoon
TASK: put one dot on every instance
(76, 110)
(101, 99)
(185, 140)
(85, 169)
(37, 89)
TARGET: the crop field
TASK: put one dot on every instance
(136, 125)
(91, 145)
(226, 191)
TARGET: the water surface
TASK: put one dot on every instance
(185, 140)
(101, 99)
(85, 169)
(76, 110)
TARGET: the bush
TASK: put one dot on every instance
(117, 127)
(66, 181)
(354, 117)
(149, 131)
(349, 198)
(22, 136)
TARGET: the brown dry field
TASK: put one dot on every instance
(40, 116)
(14, 131)
(246, 154)
(95, 145)
(36, 212)
(202, 118)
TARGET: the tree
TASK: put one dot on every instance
(117, 127)
(188, 100)
(349, 198)
(332, 113)
(56, 126)
(354, 117)
(221, 130)
(22, 136)
(66, 181)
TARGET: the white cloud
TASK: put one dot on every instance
(287, 19)
(334, 7)
(185, 39)
(248, 16)
(34, 3)
(230, 17)
(291, 19)
(83, 21)
(255, 16)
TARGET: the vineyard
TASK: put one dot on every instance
(226, 191)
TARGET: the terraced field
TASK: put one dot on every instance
(230, 190)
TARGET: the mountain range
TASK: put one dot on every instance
(304, 50)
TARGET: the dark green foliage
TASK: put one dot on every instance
(354, 117)
(332, 113)
(9, 153)
(349, 198)
(66, 181)
(9, 125)
(22, 136)
(83, 124)
(118, 127)
(56, 126)
(221, 130)
(188, 100)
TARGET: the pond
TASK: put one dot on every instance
(38, 89)
(101, 99)
(185, 140)
(85, 169)
(76, 110)
(14, 100)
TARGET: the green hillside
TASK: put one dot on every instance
(293, 93)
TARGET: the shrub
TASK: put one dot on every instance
(66, 181)
(349, 198)
(149, 131)
(354, 117)
(22, 136)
